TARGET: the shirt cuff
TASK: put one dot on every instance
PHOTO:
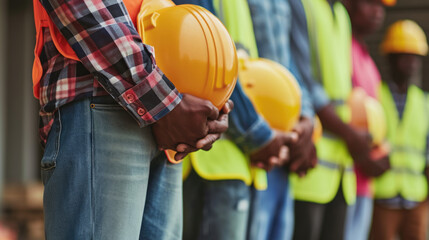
(150, 100)
(320, 100)
(307, 109)
(257, 136)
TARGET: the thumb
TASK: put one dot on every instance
(227, 108)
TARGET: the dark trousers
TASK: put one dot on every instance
(390, 223)
(314, 221)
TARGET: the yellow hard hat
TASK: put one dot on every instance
(273, 91)
(367, 114)
(317, 130)
(377, 125)
(389, 2)
(405, 36)
(192, 48)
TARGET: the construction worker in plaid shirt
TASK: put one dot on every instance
(106, 111)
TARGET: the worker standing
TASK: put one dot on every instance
(218, 183)
(322, 196)
(366, 18)
(272, 213)
(106, 111)
(400, 208)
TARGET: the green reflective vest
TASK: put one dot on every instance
(235, 15)
(330, 40)
(407, 138)
(225, 161)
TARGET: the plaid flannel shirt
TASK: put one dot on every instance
(113, 60)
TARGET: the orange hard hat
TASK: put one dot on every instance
(356, 102)
(317, 130)
(389, 2)
(192, 48)
(367, 114)
(273, 91)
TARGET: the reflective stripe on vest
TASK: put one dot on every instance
(330, 41)
(408, 140)
(42, 20)
(408, 150)
(334, 166)
(407, 171)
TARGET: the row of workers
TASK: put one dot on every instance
(96, 74)
(323, 44)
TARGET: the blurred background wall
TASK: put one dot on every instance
(2, 89)
(20, 152)
(19, 147)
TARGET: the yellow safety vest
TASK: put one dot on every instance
(407, 138)
(330, 40)
(225, 161)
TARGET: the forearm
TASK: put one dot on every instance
(332, 123)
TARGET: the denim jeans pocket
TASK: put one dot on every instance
(106, 107)
(105, 103)
(49, 159)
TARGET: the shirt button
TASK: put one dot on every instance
(141, 111)
(130, 98)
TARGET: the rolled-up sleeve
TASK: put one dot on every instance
(300, 45)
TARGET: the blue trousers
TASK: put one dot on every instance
(273, 209)
(358, 219)
(215, 210)
(105, 179)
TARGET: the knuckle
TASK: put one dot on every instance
(217, 136)
(212, 139)
(207, 103)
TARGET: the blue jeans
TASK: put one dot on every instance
(358, 220)
(273, 209)
(215, 210)
(105, 179)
